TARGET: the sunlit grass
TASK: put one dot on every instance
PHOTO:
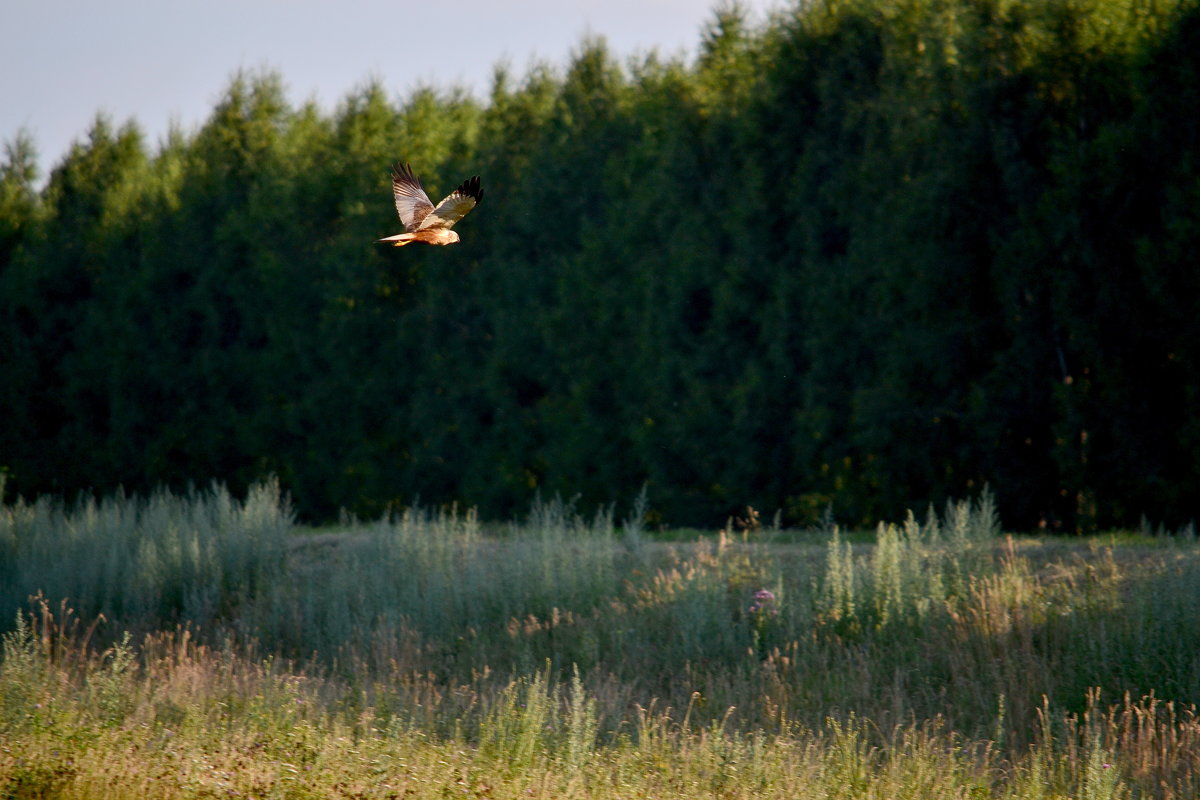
(427, 654)
(189, 721)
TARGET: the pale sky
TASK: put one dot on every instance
(164, 61)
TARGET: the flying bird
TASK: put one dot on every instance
(424, 222)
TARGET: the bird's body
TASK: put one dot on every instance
(424, 222)
(432, 236)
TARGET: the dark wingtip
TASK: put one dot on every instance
(471, 188)
(401, 171)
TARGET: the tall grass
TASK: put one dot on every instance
(145, 562)
(433, 577)
(180, 719)
(914, 569)
(565, 655)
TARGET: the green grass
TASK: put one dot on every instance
(143, 563)
(428, 655)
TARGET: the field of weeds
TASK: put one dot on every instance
(202, 645)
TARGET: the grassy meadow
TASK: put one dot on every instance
(202, 645)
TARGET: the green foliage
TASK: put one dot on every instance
(868, 252)
(913, 571)
(24, 675)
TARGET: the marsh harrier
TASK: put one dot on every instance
(424, 222)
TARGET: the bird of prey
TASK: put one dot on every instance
(424, 222)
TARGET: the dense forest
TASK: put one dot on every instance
(867, 254)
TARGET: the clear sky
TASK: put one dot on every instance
(164, 61)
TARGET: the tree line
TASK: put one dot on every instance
(866, 254)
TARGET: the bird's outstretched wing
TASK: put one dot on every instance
(453, 207)
(412, 204)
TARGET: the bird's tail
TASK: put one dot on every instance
(399, 240)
